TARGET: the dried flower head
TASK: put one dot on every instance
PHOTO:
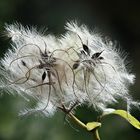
(78, 68)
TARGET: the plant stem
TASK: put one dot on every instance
(77, 120)
(73, 117)
(80, 123)
(96, 134)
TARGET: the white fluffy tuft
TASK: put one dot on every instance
(78, 67)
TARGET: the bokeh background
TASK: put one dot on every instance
(117, 19)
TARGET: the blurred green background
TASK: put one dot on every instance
(117, 19)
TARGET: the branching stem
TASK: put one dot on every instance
(80, 123)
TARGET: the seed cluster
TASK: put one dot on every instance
(77, 68)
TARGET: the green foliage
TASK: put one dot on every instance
(92, 125)
(124, 114)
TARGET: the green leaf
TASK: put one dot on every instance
(92, 125)
(133, 121)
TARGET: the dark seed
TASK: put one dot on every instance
(101, 58)
(43, 76)
(86, 49)
(75, 66)
(96, 55)
(23, 63)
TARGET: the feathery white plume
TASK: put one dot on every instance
(76, 68)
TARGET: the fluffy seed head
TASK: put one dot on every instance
(78, 67)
